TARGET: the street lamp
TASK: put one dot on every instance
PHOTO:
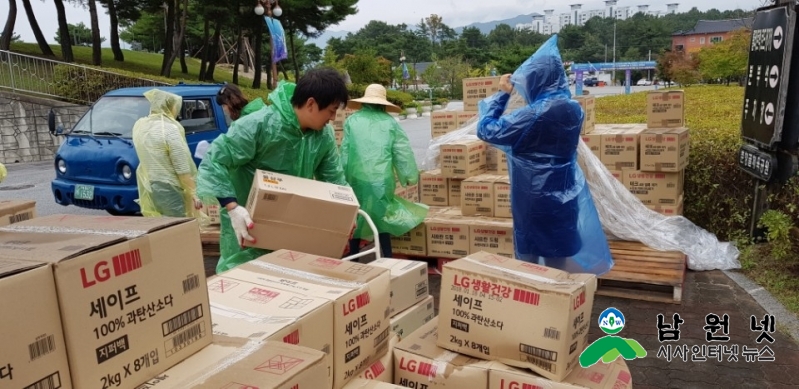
(271, 7)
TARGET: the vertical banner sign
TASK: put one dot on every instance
(767, 76)
(578, 83)
(627, 81)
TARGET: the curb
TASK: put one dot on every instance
(786, 320)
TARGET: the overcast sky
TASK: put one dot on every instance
(456, 13)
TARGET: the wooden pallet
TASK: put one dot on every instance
(209, 237)
(642, 273)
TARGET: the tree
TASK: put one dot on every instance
(37, 31)
(433, 24)
(726, 60)
(79, 34)
(365, 67)
(8, 29)
(502, 36)
(312, 18)
(113, 17)
(63, 30)
(447, 72)
(97, 53)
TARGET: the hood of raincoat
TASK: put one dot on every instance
(163, 103)
(281, 101)
(542, 75)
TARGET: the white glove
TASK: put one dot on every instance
(242, 223)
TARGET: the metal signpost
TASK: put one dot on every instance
(770, 138)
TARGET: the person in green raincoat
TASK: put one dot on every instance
(290, 136)
(166, 171)
(373, 149)
(235, 104)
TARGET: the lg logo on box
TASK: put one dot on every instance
(102, 271)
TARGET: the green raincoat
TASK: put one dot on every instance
(373, 149)
(265, 138)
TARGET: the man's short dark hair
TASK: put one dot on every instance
(325, 85)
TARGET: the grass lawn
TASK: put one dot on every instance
(145, 65)
(713, 114)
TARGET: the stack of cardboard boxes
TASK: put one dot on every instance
(649, 159)
(485, 306)
(338, 123)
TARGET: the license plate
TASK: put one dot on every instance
(84, 192)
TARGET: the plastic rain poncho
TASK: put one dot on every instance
(553, 212)
(266, 139)
(373, 149)
(3, 172)
(166, 169)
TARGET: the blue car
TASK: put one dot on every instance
(96, 164)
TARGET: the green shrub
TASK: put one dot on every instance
(718, 195)
(778, 225)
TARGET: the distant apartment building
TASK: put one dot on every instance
(549, 23)
(706, 33)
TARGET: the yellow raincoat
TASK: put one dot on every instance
(3, 172)
(166, 169)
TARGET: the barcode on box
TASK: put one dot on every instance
(538, 352)
(270, 197)
(182, 320)
(53, 381)
(552, 333)
(548, 366)
(41, 347)
(190, 283)
(185, 338)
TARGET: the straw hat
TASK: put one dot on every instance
(374, 94)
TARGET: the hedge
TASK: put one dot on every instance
(718, 195)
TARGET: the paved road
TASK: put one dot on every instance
(32, 180)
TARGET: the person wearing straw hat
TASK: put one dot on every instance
(374, 148)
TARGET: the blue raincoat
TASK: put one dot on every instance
(554, 216)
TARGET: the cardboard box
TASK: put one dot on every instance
(665, 109)
(477, 195)
(594, 142)
(286, 212)
(463, 117)
(614, 375)
(232, 363)
(619, 148)
(484, 295)
(411, 319)
(15, 211)
(664, 149)
(496, 160)
(434, 188)
(447, 235)
(382, 369)
(408, 282)
(454, 191)
(476, 89)
(492, 235)
(420, 363)
(412, 193)
(443, 122)
(654, 188)
(588, 104)
(360, 383)
(341, 117)
(668, 210)
(130, 289)
(463, 159)
(212, 212)
(252, 311)
(502, 197)
(414, 242)
(360, 295)
(34, 354)
(339, 134)
(617, 174)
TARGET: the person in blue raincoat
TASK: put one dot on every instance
(373, 149)
(555, 220)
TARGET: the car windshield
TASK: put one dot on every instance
(113, 116)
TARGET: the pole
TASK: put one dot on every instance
(758, 207)
(606, 53)
(613, 76)
(649, 71)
